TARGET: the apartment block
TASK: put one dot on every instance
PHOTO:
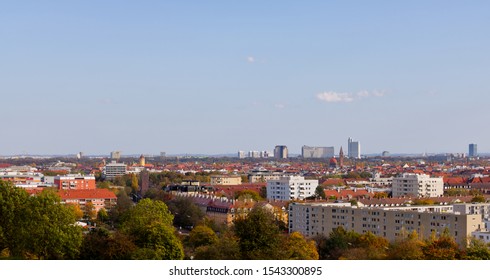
(312, 219)
(417, 185)
(291, 188)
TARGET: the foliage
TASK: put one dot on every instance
(100, 244)
(423, 201)
(380, 195)
(319, 192)
(442, 248)
(186, 213)
(37, 227)
(227, 248)
(149, 224)
(298, 248)
(248, 194)
(477, 250)
(478, 199)
(202, 236)
(407, 248)
(259, 236)
(134, 183)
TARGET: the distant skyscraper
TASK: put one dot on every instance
(317, 152)
(241, 154)
(353, 149)
(281, 152)
(473, 152)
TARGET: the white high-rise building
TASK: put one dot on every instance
(113, 169)
(417, 185)
(353, 149)
(241, 154)
(291, 188)
(317, 152)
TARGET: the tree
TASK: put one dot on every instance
(186, 213)
(407, 248)
(37, 227)
(134, 183)
(442, 248)
(298, 248)
(477, 250)
(90, 212)
(100, 244)
(478, 199)
(248, 194)
(227, 248)
(202, 236)
(320, 193)
(149, 223)
(334, 246)
(259, 236)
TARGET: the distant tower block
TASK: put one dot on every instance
(116, 155)
(142, 160)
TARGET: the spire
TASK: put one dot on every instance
(341, 157)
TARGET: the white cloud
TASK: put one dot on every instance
(280, 106)
(331, 96)
(251, 59)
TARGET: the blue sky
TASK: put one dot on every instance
(221, 76)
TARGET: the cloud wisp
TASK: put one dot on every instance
(346, 97)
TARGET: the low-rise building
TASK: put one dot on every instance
(74, 182)
(226, 180)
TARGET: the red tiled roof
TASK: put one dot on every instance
(77, 194)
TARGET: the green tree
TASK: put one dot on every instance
(186, 213)
(477, 250)
(337, 243)
(259, 236)
(149, 223)
(227, 248)
(100, 244)
(320, 193)
(202, 236)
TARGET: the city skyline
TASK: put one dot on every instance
(214, 78)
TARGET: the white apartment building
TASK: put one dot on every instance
(113, 169)
(291, 188)
(353, 149)
(417, 185)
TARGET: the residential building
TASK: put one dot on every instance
(291, 188)
(417, 185)
(281, 151)
(254, 154)
(113, 170)
(262, 177)
(312, 219)
(473, 151)
(353, 149)
(317, 152)
(100, 198)
(74, 182)
(226, 180)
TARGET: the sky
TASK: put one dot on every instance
(215, 77)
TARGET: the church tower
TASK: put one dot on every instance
(341, 157)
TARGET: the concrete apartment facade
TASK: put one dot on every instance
(291, 188)
(317, 152)
(113, 169)
(417, 185)
(312, 219)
